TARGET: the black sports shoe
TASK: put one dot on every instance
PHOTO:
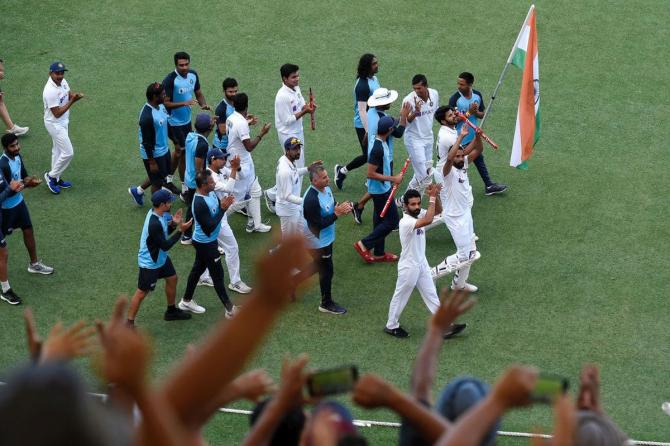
(176, 315)
(358, 214)
(495, 188)
(397, 332)
(454, 330)
(10, 297)
(172, 188)
(339, 176)
(332, 308)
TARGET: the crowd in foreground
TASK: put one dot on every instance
(46, 402)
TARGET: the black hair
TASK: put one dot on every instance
(467, 77)
(181, 55)
(411, 193)
(289, 429)
(154, 89)
(287, 69)
(365, 65)
(7, 139)
(201, 177)
(420, 79)
(441, 113)
(240, 102)
(229, 82)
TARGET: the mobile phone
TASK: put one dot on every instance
(332, 381)
(548, 387)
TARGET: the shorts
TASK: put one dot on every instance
(163, 162)
(177, 134)
(149, 277)
(17, 217)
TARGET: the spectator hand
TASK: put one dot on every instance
(277, 279)
(372, 391)
(589, 389)
(453, 305)
(513, 389)
(293, 379)
(65, 344)
(254, 384)
(34, 341)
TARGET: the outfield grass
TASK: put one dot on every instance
(574, 257)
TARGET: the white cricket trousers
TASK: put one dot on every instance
(231, 252)
(248, 194)
(292, 224)
(463, 232)
(421, 156)
(61, 150)
(408, 279)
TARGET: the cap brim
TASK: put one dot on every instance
(373, 102)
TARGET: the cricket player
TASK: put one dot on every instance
(418, 137)
(413, 268)
(457, 198)
(288, 206)
(223, 110)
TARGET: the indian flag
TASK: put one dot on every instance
(527, 130)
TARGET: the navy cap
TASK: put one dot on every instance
(57, 67)
(216, 153)
(292, 143)
(203, 122)
(162, 196)
(385, 124)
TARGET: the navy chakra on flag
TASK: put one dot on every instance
(536, 90)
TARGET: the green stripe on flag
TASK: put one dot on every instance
(537, 126)
(519, 58)
(523, 166)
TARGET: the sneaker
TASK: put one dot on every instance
(205, 282)
(231, 314)
(185, 240)
(495, 188)
(332, 308)
(221, 250)
(39, 268)
(64, 184)
(172, 188)
(269, 203)
(399, 203)
(10, 297)
(243, 211)
(358, 214)
(18, 130)
(138, 198)
(467, 287)
(339, 176)
(182, 197)
(397, 332)
(51, 183)
(240, 287)
(454, 330)
(190, 305)
(176, 315)
(260, 228)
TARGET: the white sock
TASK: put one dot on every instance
(140, 190)
(5, 286)
(169, 178)
(254, 211)
(343, 170)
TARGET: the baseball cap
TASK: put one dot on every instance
(385, 124)
(57, 67)
(292, 143)
(382, 96)
(162, 196)
(203, 121)
(342, 419)
(216, 153)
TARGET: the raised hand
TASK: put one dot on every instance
(473, 107)
(276, 271)
(226, 202)
(417, 105)
(177, 217)
(34, 341)
(405, 110)
(513, 389)
(266, 128)
(235, 163)
(453, 305)
(65, 344)
(343, 208)
(371, 391)
(292, 381)
(465, 130)
(434, 189)
(589, 389)
(254, 384)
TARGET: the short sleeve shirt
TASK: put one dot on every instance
(56, 96)
(462, 103)
(237, 129)
(412, 241)
(421, 128)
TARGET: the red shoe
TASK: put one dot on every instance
(390, 257)
(365, 255)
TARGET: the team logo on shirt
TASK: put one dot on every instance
(419, 231)
(190, 81)
(160, 123)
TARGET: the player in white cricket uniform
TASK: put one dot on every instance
(58, 100)
(290, 107)
(457, 198)
(418, 135)
(247, 189)
(413, 268)
(224, 184)
(289, 179)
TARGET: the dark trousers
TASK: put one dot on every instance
(483, 171)
(188, 197)
(381, 226)
(363, 158)
(323, 260)
(207, 257)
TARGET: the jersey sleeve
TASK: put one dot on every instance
(453, 100)
(376, 156)
(148, 132)
(405, 227)
(51, 98)
(242, 129)
(201, 149)
(220, 113)
(24, 172)
(201, 212)
(362, 90)
(168, 85)
(197, 80)
(156, 239)
(481, 101)
(312, 213)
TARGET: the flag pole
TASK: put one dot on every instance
(507, 64)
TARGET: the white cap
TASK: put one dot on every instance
(382, 96)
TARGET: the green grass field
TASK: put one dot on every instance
(574, 257)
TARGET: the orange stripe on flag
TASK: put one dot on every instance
(527, 99)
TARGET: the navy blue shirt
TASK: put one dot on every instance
(181, 89)
(153, 133)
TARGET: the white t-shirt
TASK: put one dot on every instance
(446, 138)
(412, 242)
(237, 129)
(56, 96)
(287, 103)
(421, 128)
(289, 183)
(456, 194)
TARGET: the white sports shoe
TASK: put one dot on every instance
(260, 228)
(231, 314)
(191, 306)
(467, 287)
(39, 268)
(268, 202)
(18, 130)
(207, 281)
(240, 287)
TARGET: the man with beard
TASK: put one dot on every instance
(288, 180)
